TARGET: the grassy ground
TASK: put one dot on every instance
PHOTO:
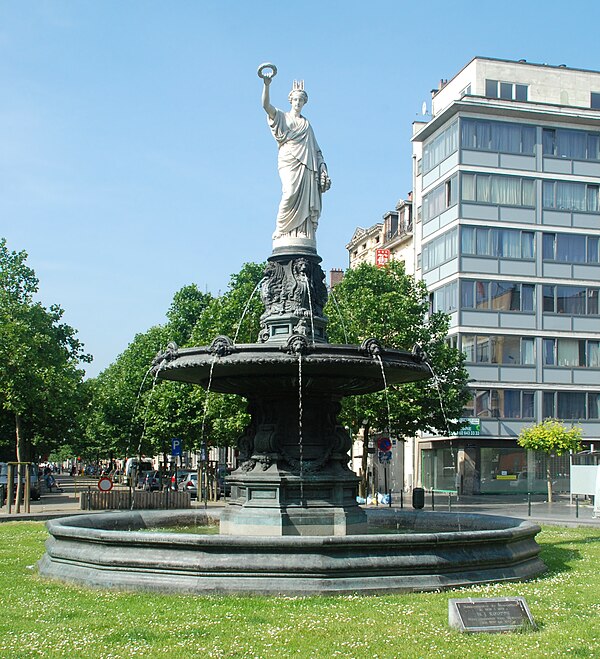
(46, 619)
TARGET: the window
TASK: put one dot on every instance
(570, 248)
(440, 199)
(574, 300)
(445, 299)
(593, 354)
(391, 225)
(502, 190)
(569, 404)
(440, 147)
(491, 88)
(564, 195)
(502, 403)
(510, 350)
(481, 135)
(595, 100)
(565, 143)
(521, 93)
(571, 353)
(570, 300)
(593, 405)
(506, 90)
(440, 249)
(497, 243)
(498, 296)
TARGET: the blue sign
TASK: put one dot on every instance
(175, 447)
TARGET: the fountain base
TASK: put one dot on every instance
(281, 505)
(407, 551)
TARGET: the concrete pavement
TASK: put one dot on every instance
(560, 512)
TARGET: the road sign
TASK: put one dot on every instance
(385, 457)
(105, 484)
(384, 444)
(175, 447)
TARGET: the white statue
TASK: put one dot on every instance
(302, 170)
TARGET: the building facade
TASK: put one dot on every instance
(506, 205)
(393, 237)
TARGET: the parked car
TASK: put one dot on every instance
(141, 478)
(177, 478)
(189, 483)
(34, 487)
(152, 481)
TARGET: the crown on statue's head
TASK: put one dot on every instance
(298, 87)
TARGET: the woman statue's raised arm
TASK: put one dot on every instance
(267, 77)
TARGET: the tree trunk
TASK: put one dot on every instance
(549, 479)
(20, 454)
(363, 467)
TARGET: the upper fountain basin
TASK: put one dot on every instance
(246, 369)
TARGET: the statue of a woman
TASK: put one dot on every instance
(301, 167)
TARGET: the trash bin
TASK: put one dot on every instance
(418, 498)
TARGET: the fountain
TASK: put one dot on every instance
(293, 524)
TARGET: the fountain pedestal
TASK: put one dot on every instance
(294, 477)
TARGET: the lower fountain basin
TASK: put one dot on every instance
(439, 551)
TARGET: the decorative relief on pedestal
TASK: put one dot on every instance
(295, 287)
(294, 293)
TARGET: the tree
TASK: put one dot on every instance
(40, 378)
(120, 399)
(236, 313)
(132, 413)
(188, 305)
(392, 306)
(552, 438)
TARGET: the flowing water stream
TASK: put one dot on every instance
(239, 325)
(300, 443)
(339, 311)
(312, 321)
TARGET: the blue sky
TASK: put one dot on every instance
(134, 152)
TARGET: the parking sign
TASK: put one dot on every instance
(175, 447)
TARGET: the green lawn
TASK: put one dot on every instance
(46, 619)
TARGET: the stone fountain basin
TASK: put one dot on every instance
(339, 370)
(439, 551)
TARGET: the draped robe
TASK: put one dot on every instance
(298, 162)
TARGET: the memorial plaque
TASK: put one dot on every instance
(494, 614)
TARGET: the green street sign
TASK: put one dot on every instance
(473, 427)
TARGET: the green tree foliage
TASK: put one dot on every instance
(236, 312)
(131, 413)
(552, 438)
(390, 305)
(40, 378)
(120, 397)
(188, 305)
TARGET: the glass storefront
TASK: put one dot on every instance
(495, 470)
(439, 468)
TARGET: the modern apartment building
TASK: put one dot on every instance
(506, 207)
